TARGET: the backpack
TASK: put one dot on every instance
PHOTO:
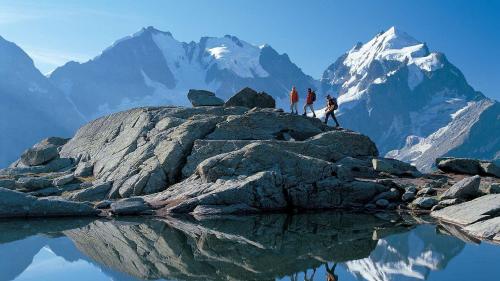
(313, 96)
(335, 104)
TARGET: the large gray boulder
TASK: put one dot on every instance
(42, 152)
(18, 204)
(204, 98)
(464, 189)
(459, 165)
(247, 97)
(395, 167)
(481, 208)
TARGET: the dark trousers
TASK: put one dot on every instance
(331, 113)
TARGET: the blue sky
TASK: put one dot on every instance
(313, 33)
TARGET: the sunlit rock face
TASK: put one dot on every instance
(230, 248)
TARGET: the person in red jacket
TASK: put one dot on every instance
(310, 99)
(294, 100)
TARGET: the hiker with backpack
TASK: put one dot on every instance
(331, 106)
(310, 99)
(294, 100)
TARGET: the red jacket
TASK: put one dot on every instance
(309, 98)
(294, 96)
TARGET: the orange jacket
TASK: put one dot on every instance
(294, 96)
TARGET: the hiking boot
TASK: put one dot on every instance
(314, 115)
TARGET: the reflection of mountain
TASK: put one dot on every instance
(21, 240)
(407, 256)
(244, 248)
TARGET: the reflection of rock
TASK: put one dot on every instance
(21, 240)
(407, 256)
(228, 248)
(18, 243)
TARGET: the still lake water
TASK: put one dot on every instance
(339, 246)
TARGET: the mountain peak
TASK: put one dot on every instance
(151, 30)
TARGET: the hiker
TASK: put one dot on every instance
(294, 100)
(331, 106)
(330, 273)
(310, 99)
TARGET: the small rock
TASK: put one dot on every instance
(429, 191)
(204, 98)
(411, 188)
(84, 169)
(96, 192)
(210, 210)
(392, 206)
(449, 202)
(464, 189)
(49, 191)
(408, 196)
(494, 188)
(436, 207)
(370, 206)
(382, 203)
(63, 180)
(490, 168)
(130, 206)
(33, 183)
(247, 97)
(392, 194)
(424, 203)
(104, 204)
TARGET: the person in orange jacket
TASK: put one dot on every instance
(294, 100)
(310, 99)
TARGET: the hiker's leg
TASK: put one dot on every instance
(312, 109)
(326, 116)
(335, 119)
(305, 108)
(296, 105)
(291, 107)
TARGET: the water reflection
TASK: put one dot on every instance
(327, 246)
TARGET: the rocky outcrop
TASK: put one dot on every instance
(468, 166)
(204, 98)
(18, 204)
(479, 217)
(247, 97)
(214, 160)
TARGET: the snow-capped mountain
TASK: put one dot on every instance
(31, 108)
(395, 90)
(151, 67)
